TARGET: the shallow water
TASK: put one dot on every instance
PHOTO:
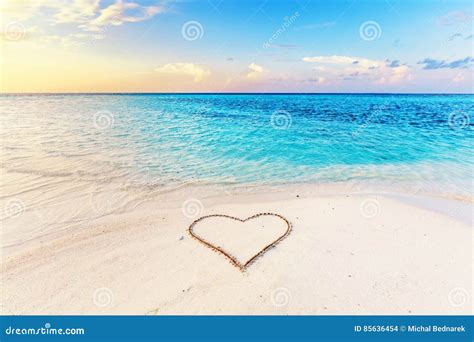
(165, 139)
(77, 147)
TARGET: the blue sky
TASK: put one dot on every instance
(231, 46)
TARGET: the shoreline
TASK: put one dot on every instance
(364, 253)
(452, 205)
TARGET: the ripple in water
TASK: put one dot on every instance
(83, 147)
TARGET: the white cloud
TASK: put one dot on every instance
(79, 11)
(319, 68)
(343, 60)
(86, 14)
(256, 71)
(197, 72)
(87, 36)
(122, 12)
(458, 78)
(348, 67)
(19, 9)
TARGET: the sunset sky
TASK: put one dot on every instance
(236, 46)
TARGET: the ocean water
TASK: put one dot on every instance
(57, 147)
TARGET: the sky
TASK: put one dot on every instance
(383, 46)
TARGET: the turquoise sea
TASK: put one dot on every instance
(166, 140)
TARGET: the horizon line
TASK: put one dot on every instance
(227, 93)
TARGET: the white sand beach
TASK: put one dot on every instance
(348, 253)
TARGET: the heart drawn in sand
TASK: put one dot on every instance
(241, 241)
